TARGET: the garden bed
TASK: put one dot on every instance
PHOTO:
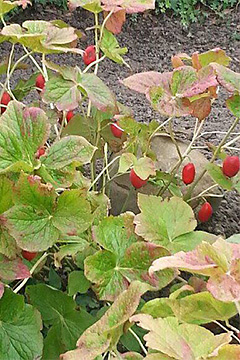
(151, 41)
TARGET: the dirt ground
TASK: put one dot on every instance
(151, 42)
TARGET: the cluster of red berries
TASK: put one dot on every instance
(230, 168)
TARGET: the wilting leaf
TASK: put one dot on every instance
(116, 21)
(58, 310)
(131, 6)
(22, 132)
(228, 352)
(190, 341)
(105, 333)
(20, 326)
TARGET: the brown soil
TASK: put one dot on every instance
(151, 41)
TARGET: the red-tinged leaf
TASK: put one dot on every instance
(220, 261)
(227, 78)
(97, 338)
(131, 6)
(143, 81)
(215, 55)
(181, 59)
(116, 21)
(206, 78)
(90, 5)
(180, 341)
(13, 269)
(182, 80)
(226, 287)
(195, 61)
(201, 108)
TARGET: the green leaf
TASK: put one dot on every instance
(77, 282)
(189, 241)
(183, 79)
(42, 36)
(217, 175)
(23, 87)
(68, 150)
(215, 55)
(234, 239)
(22, 132)
(90, 5)
(6, 6)
(58, 310)
(201, 308)
(233, 104)
(70, 250)
(123, 260)
(144, 167)
(100, 95)
(62, 92)
(54, 279)
(126, 161)
(6, 194)
(8, 246)
(110, 47)
(28, 226)
(162, 222)
(227, 78)
(227, 352)
(190, 341)
(30, 191)
(106, 332)
(20, 326)
(73, 213)
(157, 308)
(82, 126)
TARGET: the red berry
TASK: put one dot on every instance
(188, 173)
(40, 152)
(231, 166)
(40, 82)
(116, 130)
(69, 115)
(5, 100)
(28, 255)
(136, 181)
(89, 55)
(205, 212)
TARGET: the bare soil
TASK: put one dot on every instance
(151, 42)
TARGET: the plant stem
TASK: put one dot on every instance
(34, 61)
(3, 21)
(102, 172)
(203, 192)
(192, 187)
(21, 285)
(156, 130)
(138, 340)
(225, 329)
(94, 63)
